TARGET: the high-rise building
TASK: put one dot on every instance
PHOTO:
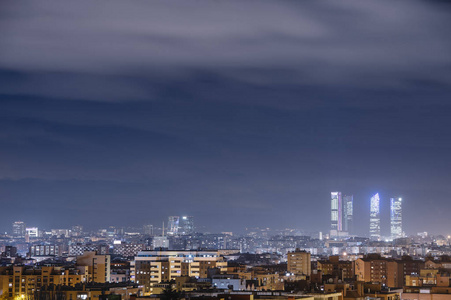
(375, 220)
(299, 262)
(148, 229)
(19, 229)
(173, 225)
(348, 213)
(32, 232)
(396, 218)
(336, 209)
(342, 212)
(186, 225)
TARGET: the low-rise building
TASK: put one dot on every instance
(23, 282)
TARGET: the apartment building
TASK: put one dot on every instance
(153, 267)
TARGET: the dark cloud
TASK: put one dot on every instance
(334, 43)
(248, 112)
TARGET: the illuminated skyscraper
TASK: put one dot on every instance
(396, 217)
(348, 213)
(148, 229)
(336, 216)
(19, 229)
(173, 225)
(186, 225)
(375, 220)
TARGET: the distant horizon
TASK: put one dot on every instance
(385, 222)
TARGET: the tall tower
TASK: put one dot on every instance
(375, 219)
(173, 225)
(336, 213)
(396, 217)
(186, 225)
(348, 213)
(19, 229)
(148, 229)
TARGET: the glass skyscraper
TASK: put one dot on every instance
(375, 220)
(173, 225)
(186, 225)
(348, 213)
(336, 210)
(396, 217)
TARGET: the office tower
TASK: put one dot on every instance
(19, 229)
(348, 213)
(148, 229)
(375, 220)
(396, 217)
(173, 225)
(299, 262)
(32, 232)
(336, 214)
(186, 225)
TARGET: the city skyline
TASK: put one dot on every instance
(136, 112)
(225, 150)
(341, 221)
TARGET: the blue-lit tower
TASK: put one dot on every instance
(396, 217)
(375, 219)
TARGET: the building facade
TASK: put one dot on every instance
(79, 249)
(336, 213)
(45, 250)
(396, 218)
(153, 267)
(173, 225)
(128, 249)
(32, 232)
(390, 272)
(21, 282)
(375, 220)
(186, 225)
(98, 266)
(299, 263)
(348, 213)
(19, 229)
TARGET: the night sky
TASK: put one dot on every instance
(240, 113)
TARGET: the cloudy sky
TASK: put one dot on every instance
(240, 113)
